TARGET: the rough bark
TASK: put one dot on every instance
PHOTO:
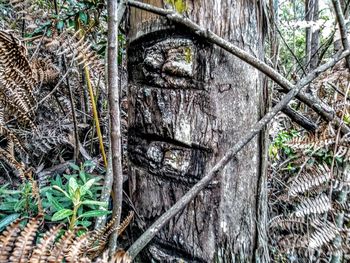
(312, 36)
(189, 102)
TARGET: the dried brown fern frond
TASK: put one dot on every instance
(316, 205)
(306, 181)
(7, 240)
(19, 245)
(80, 51)
(12, 138)
(98, 241)
(42, 251)
(293, 241)
(19, 167)
(311, 142)
(16, 79)
(120, 256)
(323, 235)
(60, 247)
(77, 249)
(24, 242)
(44, 71)
(291, 224)
(27, 9)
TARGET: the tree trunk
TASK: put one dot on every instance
(312, 37)
(190, 101)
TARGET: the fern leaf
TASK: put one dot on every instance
(76, 249)
(121, 256)
(24, 243)
(42, 250)
(291, 224)
(307, 181)
(311, 141)
(323, 235)
(61, 247)
(7, 240)
(316, 205)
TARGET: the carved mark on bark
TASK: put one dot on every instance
(173, 133)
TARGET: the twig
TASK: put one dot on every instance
(93, 106)
(336, 89)
(74, 115)
(342, 28)
(315, 103)
(115, 14)
(147, 236)
(298, 117)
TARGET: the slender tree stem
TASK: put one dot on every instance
(342, 28)
(114, 114)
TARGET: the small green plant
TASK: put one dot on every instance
(75, 198)
(17, 202)
(279, 144)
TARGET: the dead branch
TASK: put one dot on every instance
(114, 114)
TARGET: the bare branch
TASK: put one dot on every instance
(298, 118)
(342, 28)
(114, 115)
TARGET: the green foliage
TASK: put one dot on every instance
(279, 144)
(75, 198)
(179, 5)
(18, 201)
(68, 198)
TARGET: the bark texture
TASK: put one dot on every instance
(189, 102)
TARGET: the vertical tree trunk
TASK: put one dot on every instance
(189, 102)
(312, 37)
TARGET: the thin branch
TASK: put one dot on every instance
(74, 114)
(114, 15)
(342, 28)
(298, 118)
(93, 104)
(324, 110)
(147, 236)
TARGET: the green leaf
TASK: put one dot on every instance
(56, 187)
(83, 17)
(60, 25)
(74, 166)
(8, 220)
(84, 223)
(92, 202)
(9, 206)
(86, 187)
(19, 205)
(53, 201)
(89, 163)
(73, 185)
(62, 214)
(95, 213)
(82, 176)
